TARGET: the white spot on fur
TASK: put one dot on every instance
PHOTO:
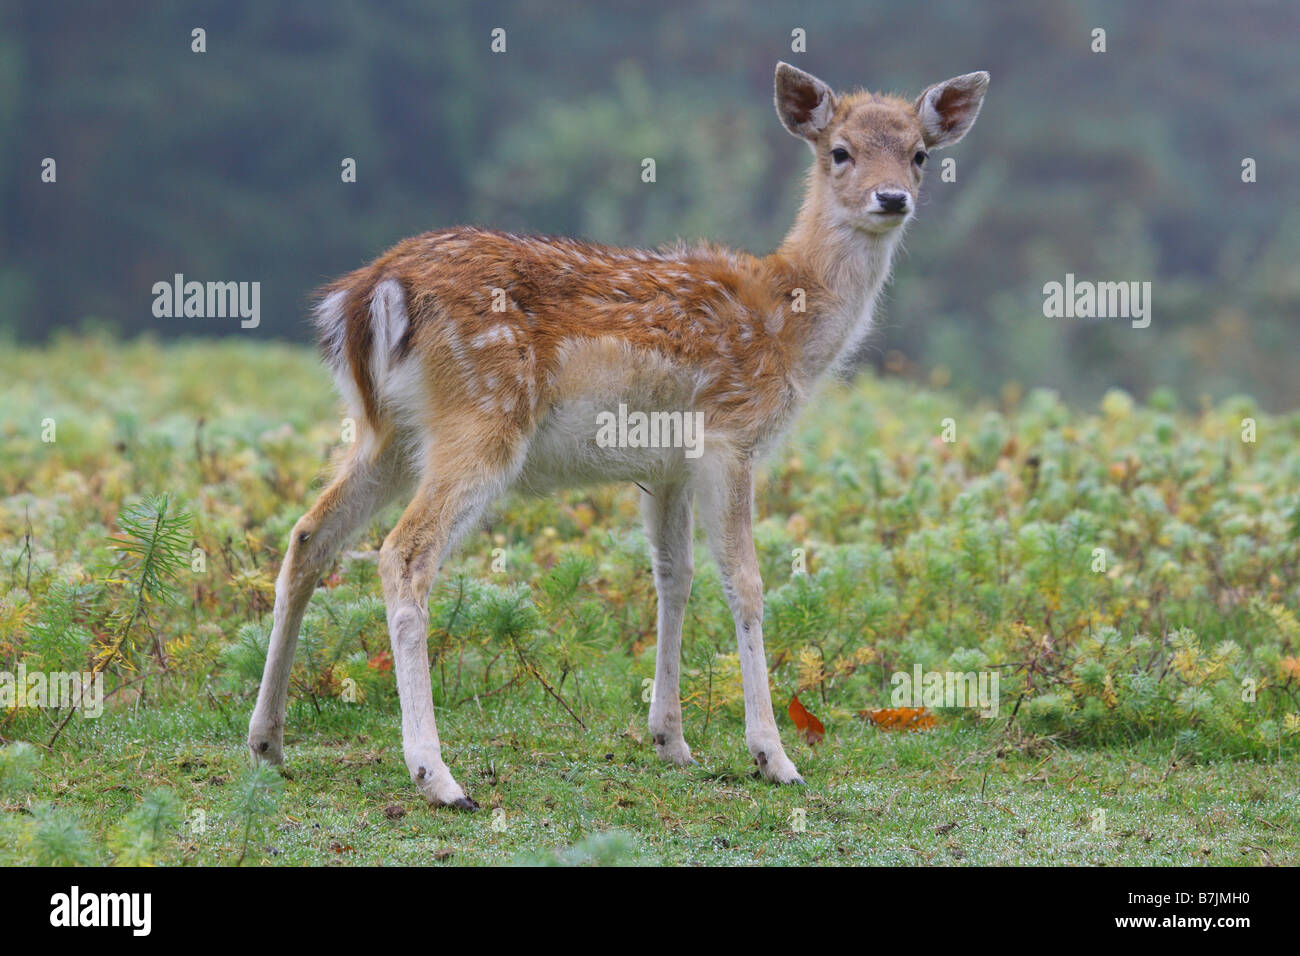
(498, 333)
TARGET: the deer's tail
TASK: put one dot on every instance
(364, 329)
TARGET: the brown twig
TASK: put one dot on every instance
(549, 689)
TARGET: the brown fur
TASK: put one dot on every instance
(561, 290)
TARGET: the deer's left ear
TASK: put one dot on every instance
(948, 109)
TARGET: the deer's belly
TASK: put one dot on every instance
(582, 442)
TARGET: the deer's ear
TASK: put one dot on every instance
(947, 110)
(804, 103)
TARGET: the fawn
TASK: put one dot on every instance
(475, 362)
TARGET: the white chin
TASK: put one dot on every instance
(879, 224)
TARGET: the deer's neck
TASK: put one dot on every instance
(842, 270)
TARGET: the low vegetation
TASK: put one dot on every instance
(1130, 573)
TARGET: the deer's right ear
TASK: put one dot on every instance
(804, 103)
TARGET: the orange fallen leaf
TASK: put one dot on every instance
(1290, 666)
(807, 724)
(383, 661)
(900, 718)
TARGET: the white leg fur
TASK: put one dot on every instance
(408, 628)
(726, 507)
(667, 515)
(360, 490)
(408, 563)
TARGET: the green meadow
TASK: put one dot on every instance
(1130, 572)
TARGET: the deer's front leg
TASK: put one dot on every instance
(668, 526)
(729, 518)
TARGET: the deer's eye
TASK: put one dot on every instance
(840, 154)
(920, 157)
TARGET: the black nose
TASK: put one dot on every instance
(892, 201)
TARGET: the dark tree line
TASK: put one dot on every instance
(226, 165)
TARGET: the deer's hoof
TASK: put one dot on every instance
(265, 746)
(777, 768)
(439, 788)
(675, 751)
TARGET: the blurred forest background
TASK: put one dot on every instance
(225, 165)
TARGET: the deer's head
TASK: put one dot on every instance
(870, 150)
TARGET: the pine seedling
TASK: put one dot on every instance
(57, 838)
(135, 841)
(153, 550)
(259, 791)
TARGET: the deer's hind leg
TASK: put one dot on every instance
(367, 480)
(667, 515)
(462, 481)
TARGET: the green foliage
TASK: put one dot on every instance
(609, 848)
(57, 839)
(59, 637)
(137, 840)
(976, 555)
(50, 835)
(18, 762)
(244, 658)
(259, 791)
(152, 551)
(81, 616)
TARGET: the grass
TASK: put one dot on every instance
(1131, 573)
(553, 794)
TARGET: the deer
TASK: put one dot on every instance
(477, 362)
